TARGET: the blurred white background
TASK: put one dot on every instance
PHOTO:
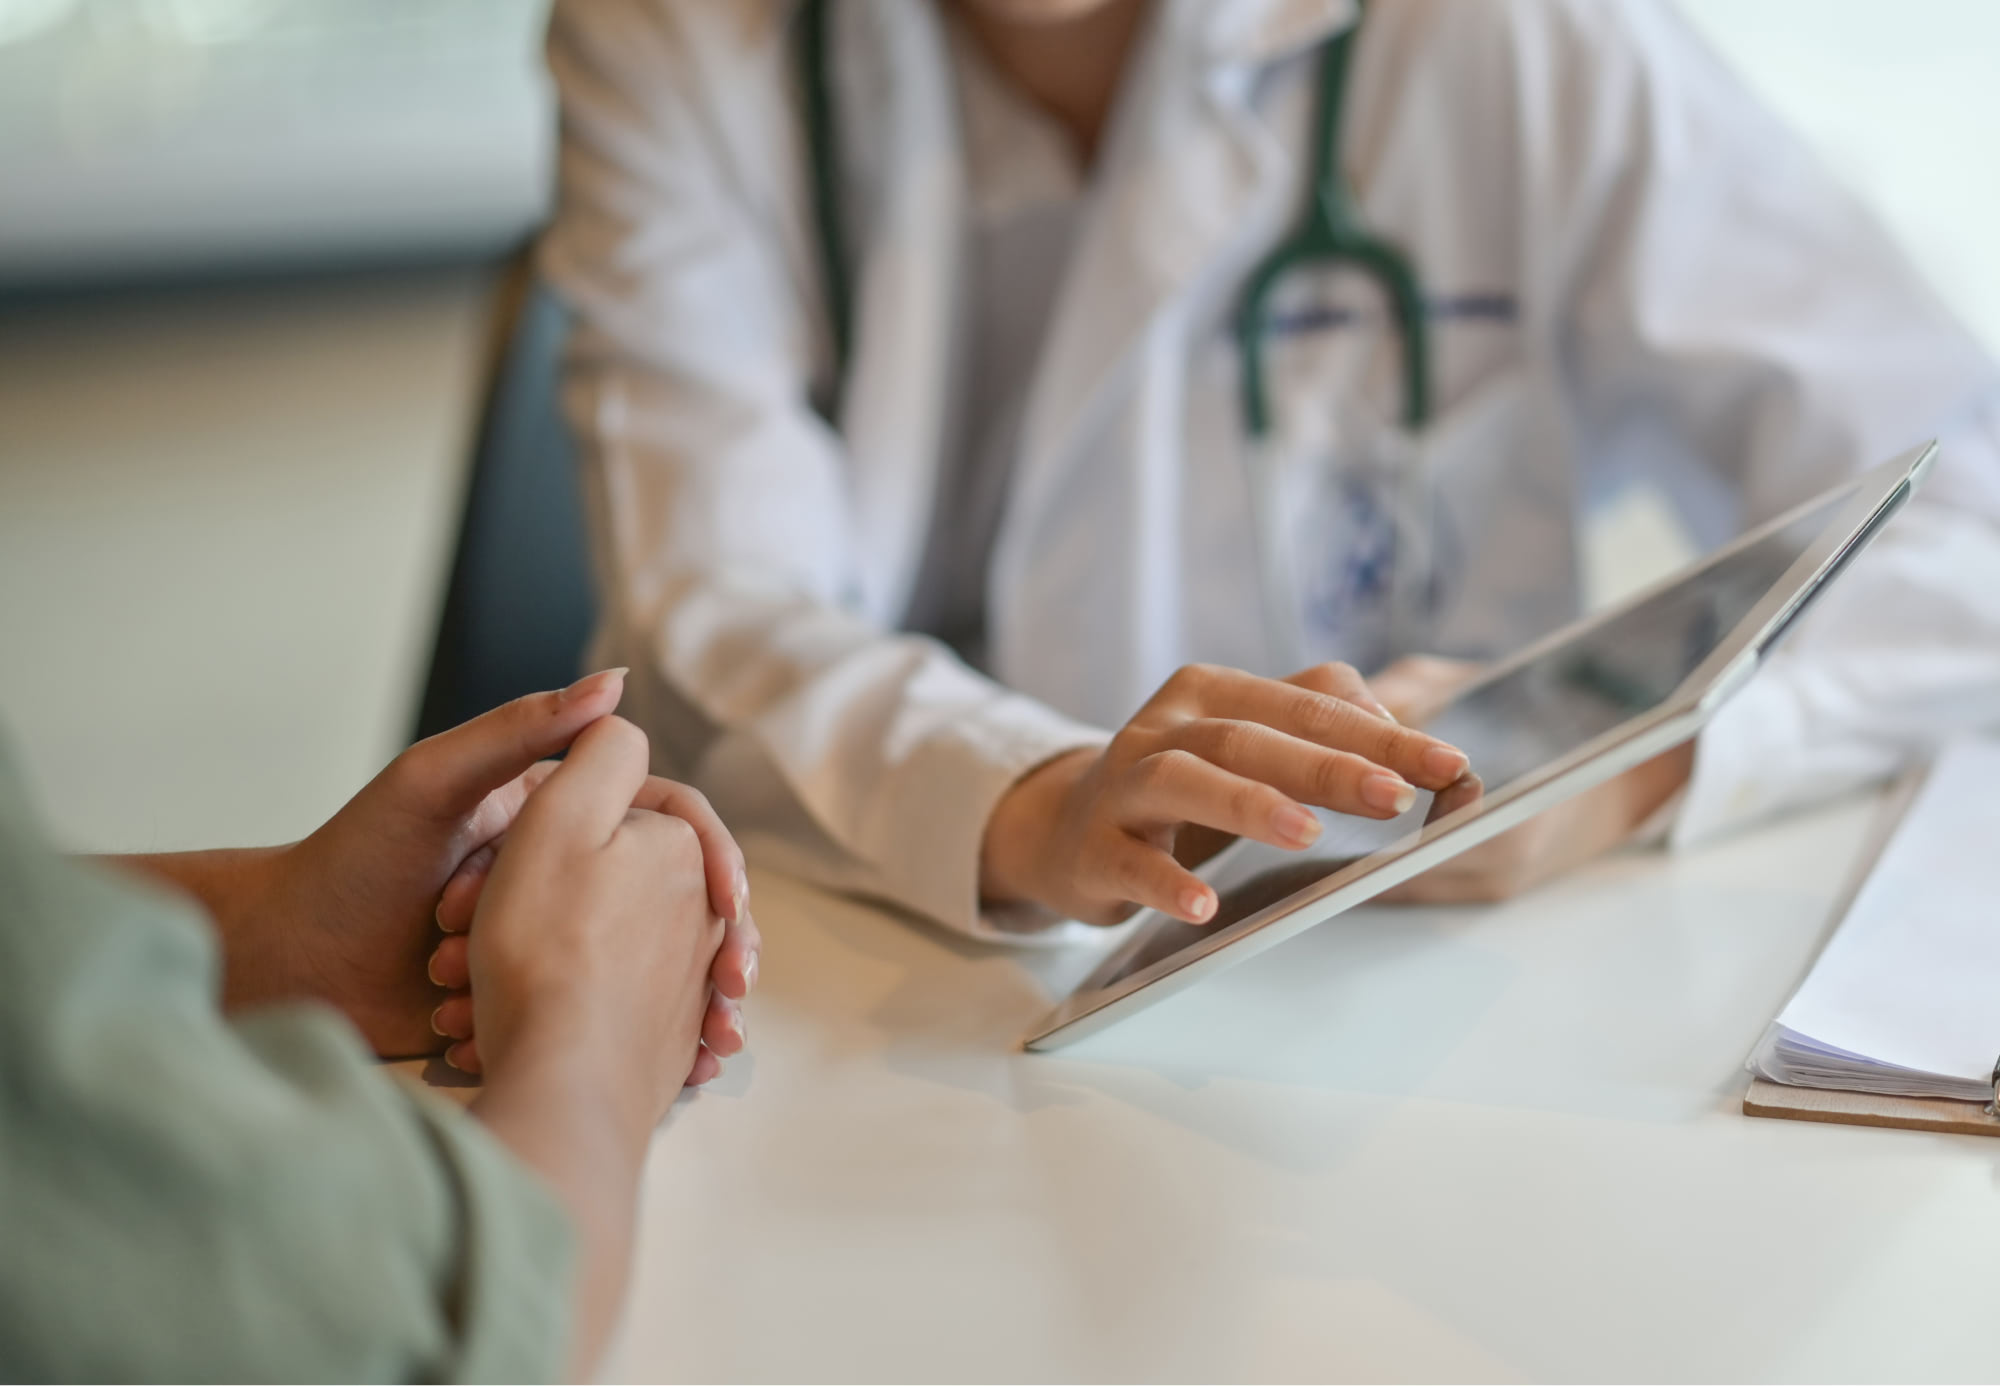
(226, 509)
(139, 136)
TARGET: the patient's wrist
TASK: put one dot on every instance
(240, 889)
(581, 1051)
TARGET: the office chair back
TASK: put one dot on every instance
(519, 606)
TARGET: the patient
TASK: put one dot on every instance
(204, 1175)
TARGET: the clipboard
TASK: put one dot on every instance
(1768, 1099)
(1785, 1102)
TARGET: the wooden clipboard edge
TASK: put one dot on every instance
(1784, 1102)
(1779, 1100)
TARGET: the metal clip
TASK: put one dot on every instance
(1993, 1107)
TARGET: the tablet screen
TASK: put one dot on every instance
(1523, 720)
(1541, 711)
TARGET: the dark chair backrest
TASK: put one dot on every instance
(519, 608)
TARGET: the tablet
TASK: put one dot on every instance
(1568, 713)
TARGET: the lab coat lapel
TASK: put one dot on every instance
(903, 149)
(1084, 605)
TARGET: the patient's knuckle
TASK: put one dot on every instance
(627, 738)
(676, 838)
(418, 775)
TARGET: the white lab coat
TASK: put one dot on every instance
(1688, 298)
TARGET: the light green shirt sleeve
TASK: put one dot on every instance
(188, 1198)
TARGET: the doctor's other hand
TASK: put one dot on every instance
(594, 938)
(732, 975)
(1553, 841)
(1415, 689)
(1215, 754)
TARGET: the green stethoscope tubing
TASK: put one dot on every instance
(823, 151)
(1330, 232)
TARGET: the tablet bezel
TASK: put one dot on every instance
(1876, 496)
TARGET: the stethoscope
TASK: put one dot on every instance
(1329, 234)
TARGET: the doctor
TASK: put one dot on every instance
(930, 435)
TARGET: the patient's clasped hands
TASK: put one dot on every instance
(560, 889)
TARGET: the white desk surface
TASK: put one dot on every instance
(1479, 1143)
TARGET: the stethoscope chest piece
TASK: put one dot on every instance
(1352, 545)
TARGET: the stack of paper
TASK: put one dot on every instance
(1905, 998)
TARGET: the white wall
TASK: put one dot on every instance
(1903, 101)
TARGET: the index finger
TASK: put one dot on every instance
(1335, 723)
(591, 791)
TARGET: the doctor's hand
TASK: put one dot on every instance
(1215, 754)
(1415, 688)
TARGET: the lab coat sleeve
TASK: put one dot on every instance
(1735, 322)
(866, 760)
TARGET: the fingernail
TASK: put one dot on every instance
(1384, 713)
(454, 1062)
(431, 970)
(436, 1028)
(739, 897)
(1196, 905)
(1445, 763)
(736, 1024)
(750, 973)
(1387, 792)
(590, 683)
(1296, 826)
